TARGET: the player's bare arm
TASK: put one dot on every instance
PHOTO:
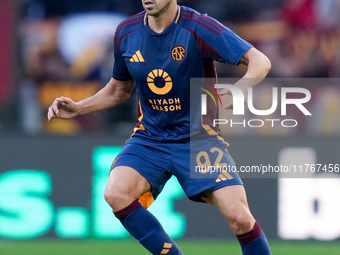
(258, 66)
(111, 95)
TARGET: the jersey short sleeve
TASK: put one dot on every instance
(215, 40)
(120, 71)
(233, 47)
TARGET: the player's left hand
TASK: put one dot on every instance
(227, 96)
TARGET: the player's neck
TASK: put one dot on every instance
(159, 23)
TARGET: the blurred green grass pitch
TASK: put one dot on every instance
(127, 247)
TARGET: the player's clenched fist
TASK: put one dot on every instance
(62, 108)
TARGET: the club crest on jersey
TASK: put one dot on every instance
(178, 53)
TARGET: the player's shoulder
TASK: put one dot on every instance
(126, 27)
(189, 12)
(130, 23)
(195, 20)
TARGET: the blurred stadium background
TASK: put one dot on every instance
(52, 174)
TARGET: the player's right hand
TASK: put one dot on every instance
(62, 108)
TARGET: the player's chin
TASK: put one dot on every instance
(151, 11)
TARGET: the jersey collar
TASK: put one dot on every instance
(167, 30)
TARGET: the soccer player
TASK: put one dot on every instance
(158, 51)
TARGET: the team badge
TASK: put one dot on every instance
(178, 53)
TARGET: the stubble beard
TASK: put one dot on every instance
(157, 13)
